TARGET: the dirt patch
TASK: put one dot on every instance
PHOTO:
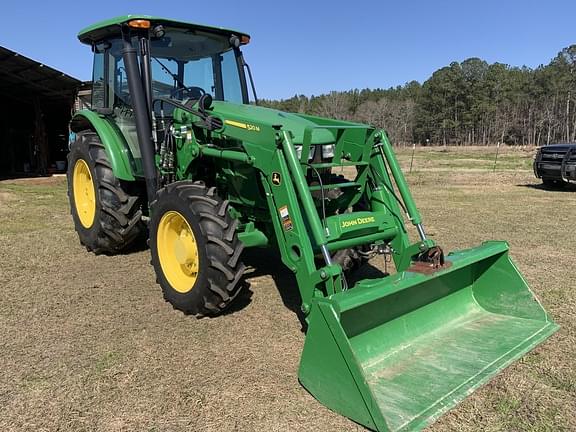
(6, 197)
(55, 179)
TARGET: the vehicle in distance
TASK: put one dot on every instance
(555, 164)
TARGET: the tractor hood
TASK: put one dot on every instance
(249, 115)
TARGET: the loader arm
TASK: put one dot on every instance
(303, 233)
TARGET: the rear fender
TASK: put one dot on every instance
(117, 150)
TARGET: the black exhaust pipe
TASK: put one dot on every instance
(142, 117)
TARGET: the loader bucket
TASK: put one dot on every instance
(394, 354)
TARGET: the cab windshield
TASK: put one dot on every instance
(186, 64)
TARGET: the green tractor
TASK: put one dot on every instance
(173, 151)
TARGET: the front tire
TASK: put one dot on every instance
(195, 249)
(106, 216)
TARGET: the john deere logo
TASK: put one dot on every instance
(358, 221)
(276, 179)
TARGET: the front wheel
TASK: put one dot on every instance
(195, 249)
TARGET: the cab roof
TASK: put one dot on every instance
(111, 27)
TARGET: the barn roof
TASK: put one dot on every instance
(21, 75)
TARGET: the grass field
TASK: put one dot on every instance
(87, 342)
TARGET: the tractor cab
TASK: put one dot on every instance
(175, 61)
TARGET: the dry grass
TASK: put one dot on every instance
(87, 343)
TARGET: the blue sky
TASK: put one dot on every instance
(312, 47)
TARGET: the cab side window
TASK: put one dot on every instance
(98, 82)
(118, 80)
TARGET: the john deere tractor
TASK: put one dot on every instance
(173, 151)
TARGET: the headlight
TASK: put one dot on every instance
(299, 152)
(328, 151)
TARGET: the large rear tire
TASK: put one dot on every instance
(106, 216)
(195, 249)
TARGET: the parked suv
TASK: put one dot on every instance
(555, 164)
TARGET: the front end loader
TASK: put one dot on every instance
(173, 151)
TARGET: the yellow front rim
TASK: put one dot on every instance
(84, 193)
(177, 251)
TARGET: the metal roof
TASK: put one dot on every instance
(21, 76)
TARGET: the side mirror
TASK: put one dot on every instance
(234, 41)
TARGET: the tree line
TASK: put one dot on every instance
(467, 103)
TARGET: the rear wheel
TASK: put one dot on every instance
(195, 249)
(106, 216)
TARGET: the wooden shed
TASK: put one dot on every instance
(35, 108)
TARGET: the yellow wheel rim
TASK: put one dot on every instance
(177, 251)
(84, 193)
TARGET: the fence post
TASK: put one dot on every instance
(412, 160)
(496, 158)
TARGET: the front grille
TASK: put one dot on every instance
(557, 157)
(552, 157)
(556, 164)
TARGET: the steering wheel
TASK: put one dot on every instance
(191, 92)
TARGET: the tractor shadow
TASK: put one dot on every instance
(267, 262)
